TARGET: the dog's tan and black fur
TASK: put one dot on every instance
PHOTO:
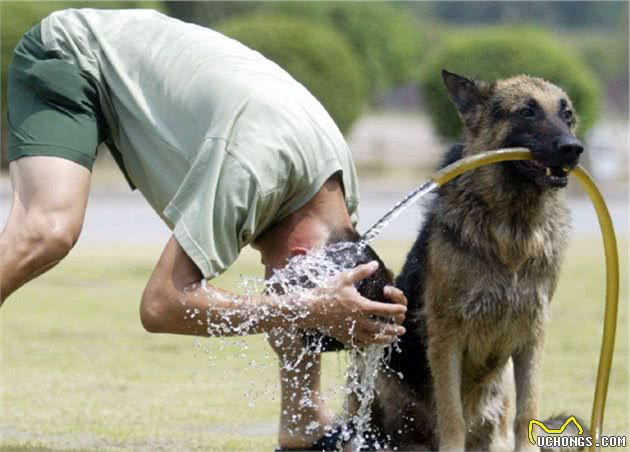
(480, 277)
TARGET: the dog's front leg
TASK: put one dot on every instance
(527, 365)
(445, 360)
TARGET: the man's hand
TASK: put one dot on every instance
(341, 312)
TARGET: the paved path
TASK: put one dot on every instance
(126, 218)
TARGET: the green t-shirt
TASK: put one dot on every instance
(221, 141)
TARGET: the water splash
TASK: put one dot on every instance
(318, 268)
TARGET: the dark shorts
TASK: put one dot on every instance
(53, 106)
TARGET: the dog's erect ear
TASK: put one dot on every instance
(465, 94)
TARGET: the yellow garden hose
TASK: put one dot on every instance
(612, 265)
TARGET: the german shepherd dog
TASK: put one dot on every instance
(481, 274)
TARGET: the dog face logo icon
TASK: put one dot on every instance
(557, 431)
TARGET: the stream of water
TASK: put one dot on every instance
(412, 198)
(319, 268)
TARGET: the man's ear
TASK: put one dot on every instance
(466, 94)
(298, 251)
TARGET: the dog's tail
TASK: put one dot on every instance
(562, 433)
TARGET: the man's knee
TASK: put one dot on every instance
(51, 236)
(42, 238)
(153, 309)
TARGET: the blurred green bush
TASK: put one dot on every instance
(494, 53)
(210, 13)
(385, 36)
(315, 55)
(606, 54)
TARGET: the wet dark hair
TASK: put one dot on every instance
(370, 288)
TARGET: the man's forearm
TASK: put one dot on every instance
(204, 310)
(177, 300)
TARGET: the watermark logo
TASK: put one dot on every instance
(557, 431)
(557, 438)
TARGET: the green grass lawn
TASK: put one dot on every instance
(79, 372)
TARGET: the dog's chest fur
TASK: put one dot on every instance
(492, 262)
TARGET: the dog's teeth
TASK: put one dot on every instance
(565, 169)
(548, 171)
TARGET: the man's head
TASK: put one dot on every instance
(321, 229)
(345, 249)
(323, 222)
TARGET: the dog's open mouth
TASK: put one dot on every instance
(553, 176)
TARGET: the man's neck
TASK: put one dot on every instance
(308, 227)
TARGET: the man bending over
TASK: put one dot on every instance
(225, 146)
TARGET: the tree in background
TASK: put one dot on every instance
(493, 53)
(209, 13)
(566, 14)
(596, 30)
(385, 36)
(315, 55)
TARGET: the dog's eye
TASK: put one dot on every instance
(567, 115)
(527, 112)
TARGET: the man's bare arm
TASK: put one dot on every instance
(177, 301)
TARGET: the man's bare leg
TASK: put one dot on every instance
(49, 199)
(304, 416)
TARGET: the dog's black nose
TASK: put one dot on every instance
(570, 147)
